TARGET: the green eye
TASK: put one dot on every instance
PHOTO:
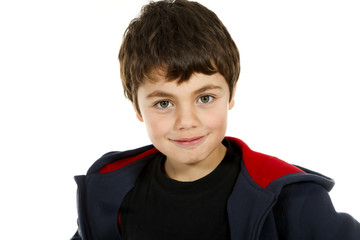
(163, 104)
(205, 99)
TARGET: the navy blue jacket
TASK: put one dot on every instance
(271, 199)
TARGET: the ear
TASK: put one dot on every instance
(232, 101)
(138, 114)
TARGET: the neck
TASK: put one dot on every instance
(194, 171)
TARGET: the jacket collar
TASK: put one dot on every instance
(255, 192)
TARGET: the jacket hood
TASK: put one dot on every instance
(264, 170)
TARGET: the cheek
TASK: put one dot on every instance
(216, 119)
(157, 126)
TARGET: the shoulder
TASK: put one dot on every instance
(116, 160)
(273, 173)
(305, 210)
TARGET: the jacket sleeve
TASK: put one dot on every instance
(76, 236)
(305, 211)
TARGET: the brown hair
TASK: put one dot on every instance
(180, 37)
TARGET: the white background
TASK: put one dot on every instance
(62, 104)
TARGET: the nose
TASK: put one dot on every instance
(186, 118)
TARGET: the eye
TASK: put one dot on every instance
(163, 104)
(206, 99)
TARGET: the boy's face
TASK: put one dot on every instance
(186, 122)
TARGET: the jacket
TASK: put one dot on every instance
(271, 199)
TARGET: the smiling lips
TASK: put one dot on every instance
(189, 142)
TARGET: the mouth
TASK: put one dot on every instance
(188, 142)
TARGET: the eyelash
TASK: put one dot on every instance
(164, 101)
(169, 104)
(211, 98)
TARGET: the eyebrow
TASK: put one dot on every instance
(162, 94)
(159, 94)
(207, 87)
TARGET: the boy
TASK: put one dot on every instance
(179, 68)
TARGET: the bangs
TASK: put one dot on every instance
(181, 69)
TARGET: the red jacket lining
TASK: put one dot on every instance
(262, 168)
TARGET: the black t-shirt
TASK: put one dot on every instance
(161, 208)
